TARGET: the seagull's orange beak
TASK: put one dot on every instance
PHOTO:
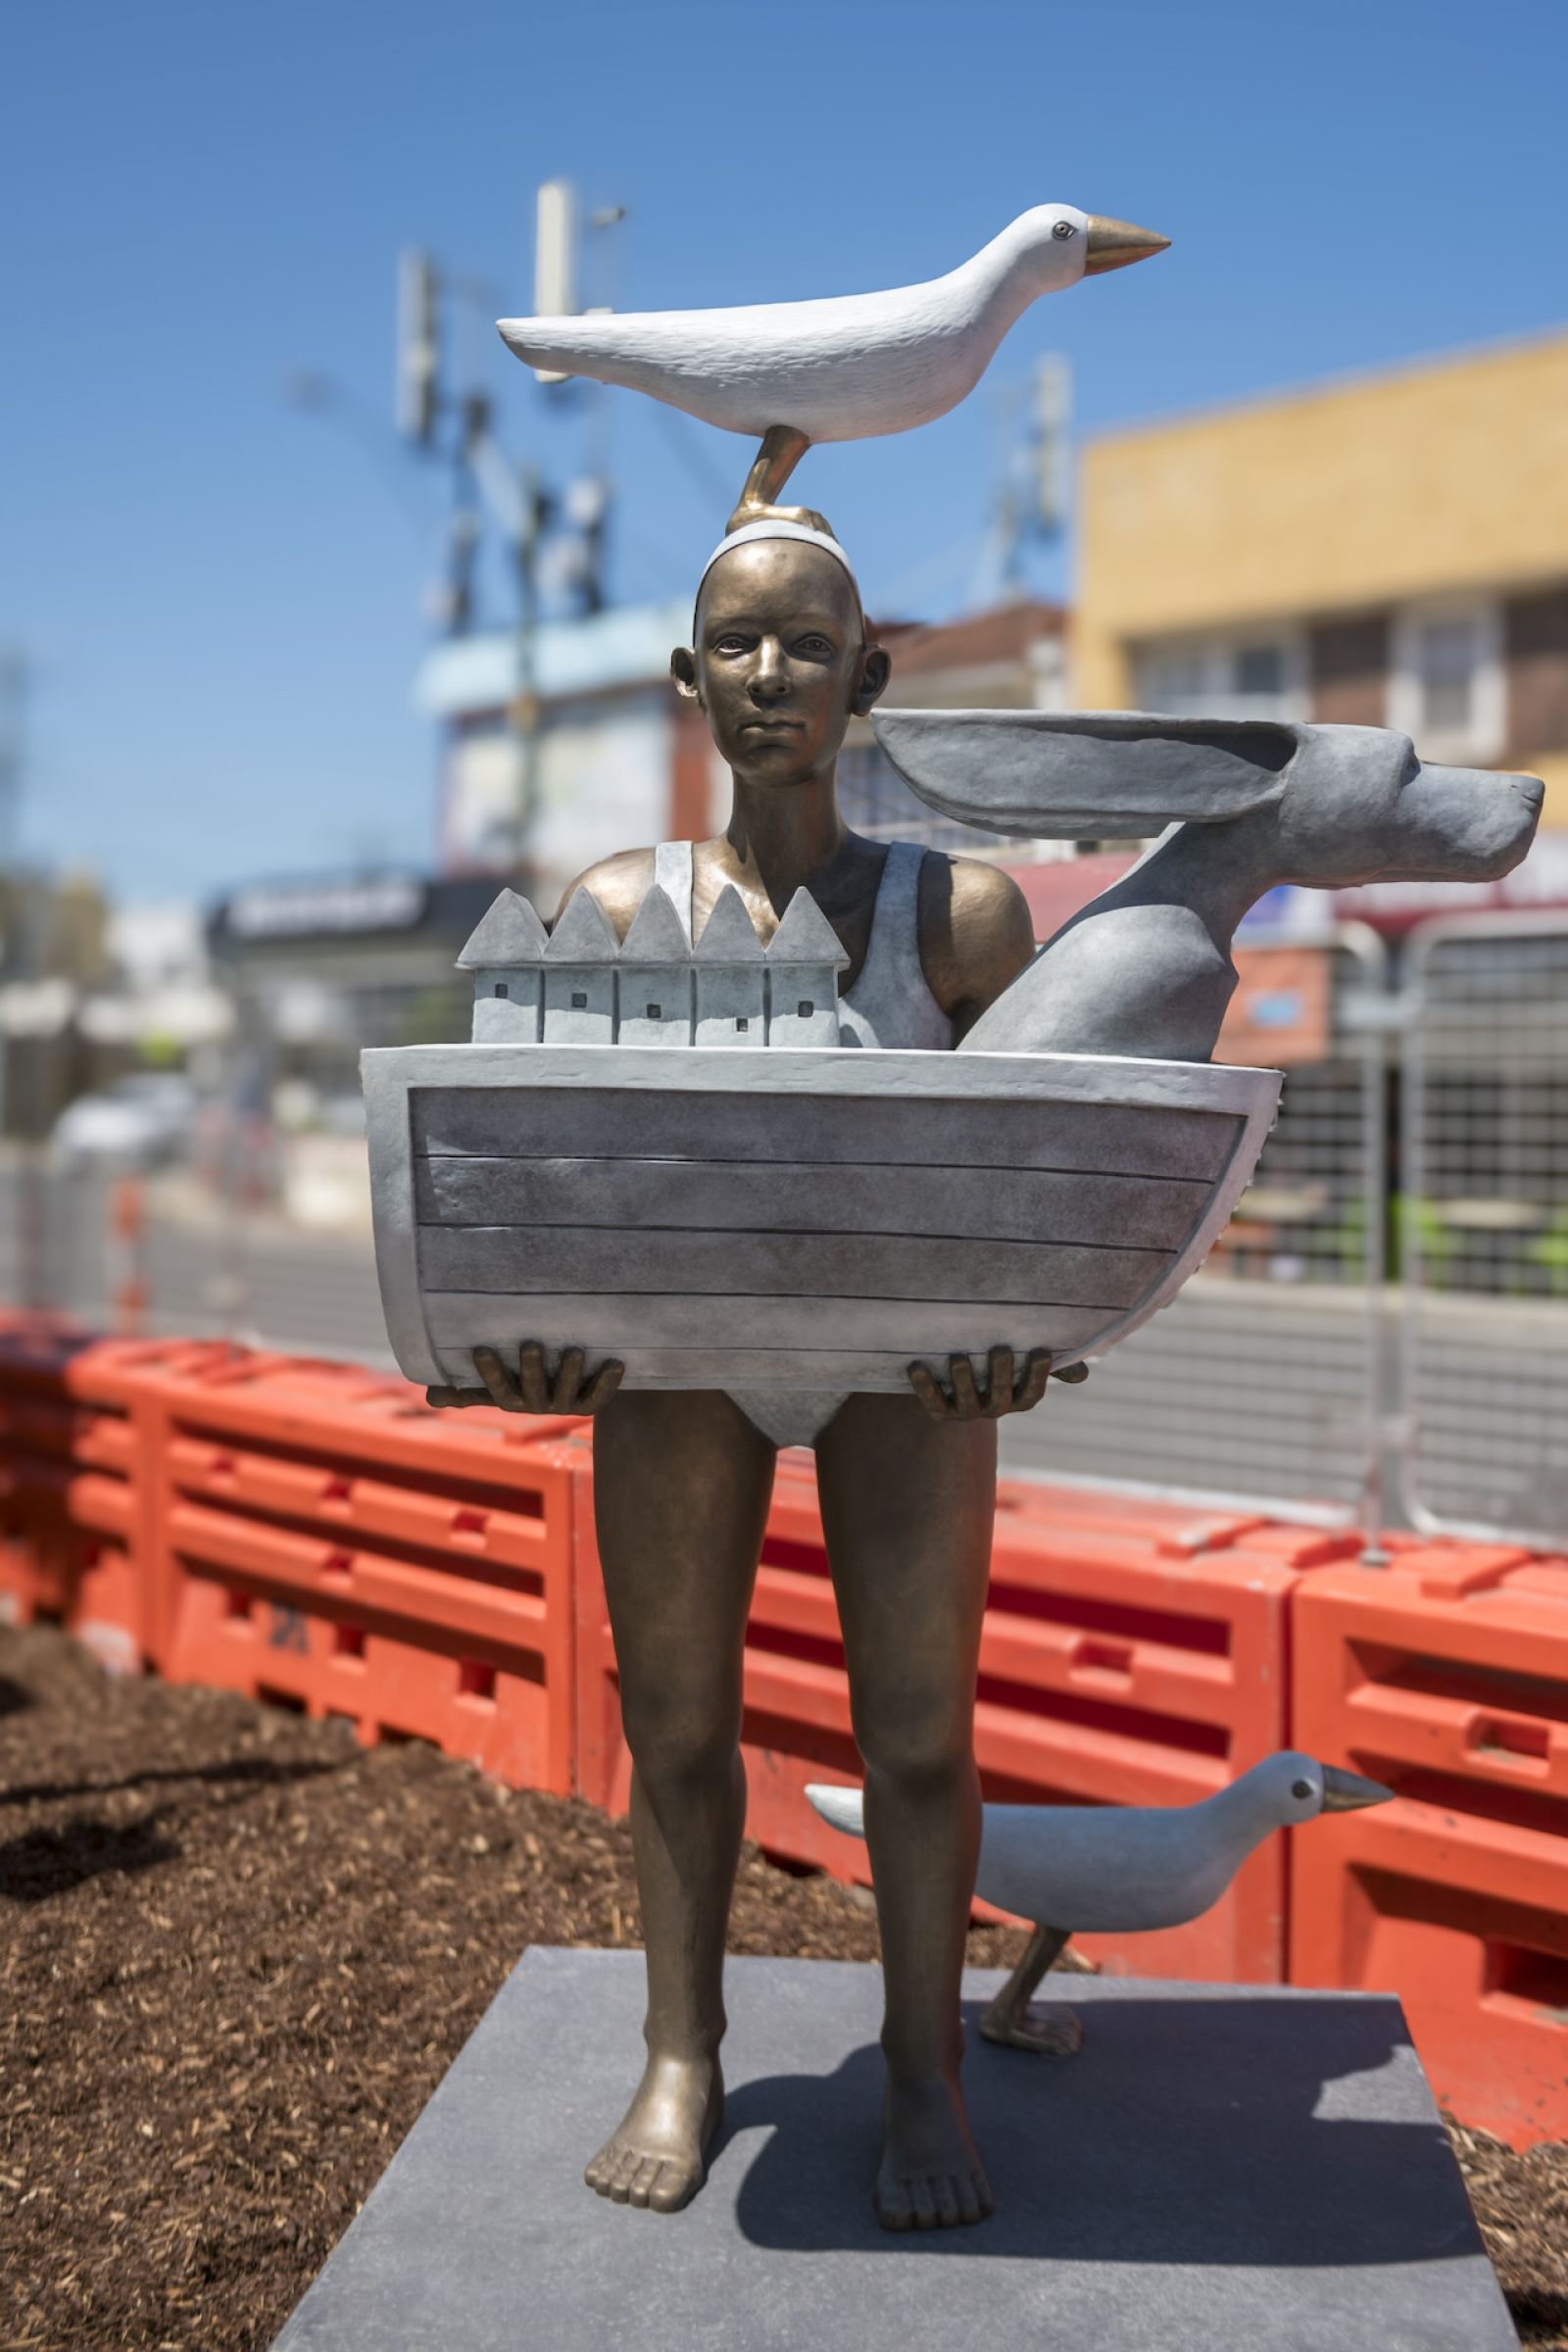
(1113, 244)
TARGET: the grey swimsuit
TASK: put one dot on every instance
(889, 1005)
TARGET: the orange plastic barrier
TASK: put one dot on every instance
(76, 1545)
(325, 1541)
(1447, 1677)
(1132, 1654)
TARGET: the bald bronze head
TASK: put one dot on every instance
(779, 661)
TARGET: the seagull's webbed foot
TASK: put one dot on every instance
(1049, 2028)
(813, 520)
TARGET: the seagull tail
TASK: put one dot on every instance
(843, 1808)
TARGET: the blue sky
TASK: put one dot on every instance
(223, 597)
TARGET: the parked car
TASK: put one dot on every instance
(139, 1121)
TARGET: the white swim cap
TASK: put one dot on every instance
(777, 528)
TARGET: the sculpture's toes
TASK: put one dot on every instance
(675, 2185)
(624, 2173)
(640, 2179)
(974, 2197)
(600, 2170)
(895, 2206)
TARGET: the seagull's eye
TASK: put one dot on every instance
(1301, 1788)
(1061, 229)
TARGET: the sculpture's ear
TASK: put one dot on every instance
(1100, 775)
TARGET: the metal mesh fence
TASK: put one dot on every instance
(1482, 1225)
(1267, 1380)
(1261, 1380)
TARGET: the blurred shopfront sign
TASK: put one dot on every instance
(298, 910)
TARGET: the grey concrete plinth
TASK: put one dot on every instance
(1223, 2168)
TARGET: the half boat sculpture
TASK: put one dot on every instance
(647, 1153)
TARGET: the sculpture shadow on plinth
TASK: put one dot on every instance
(1104, 2162)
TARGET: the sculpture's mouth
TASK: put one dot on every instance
(1113, 244)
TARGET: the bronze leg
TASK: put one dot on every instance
(681, 1488)
(1048, 2027)
(906, 1509)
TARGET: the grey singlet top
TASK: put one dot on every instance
(889, 1005)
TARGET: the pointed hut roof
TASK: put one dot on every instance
(729, 935)
(658, 934)
(584, 934)
(806, 936)
(507, 933)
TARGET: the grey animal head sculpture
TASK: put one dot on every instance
(1146, 969)
(1351, 803)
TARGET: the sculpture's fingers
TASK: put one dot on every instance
(965, 1392)
(501, 1383)
(567, 1382)
(444, 1399)
(1036, 1373)
(998, 1381)
(603, 1386)
(1072, 1374)
(924, 1384)
(532, 1377)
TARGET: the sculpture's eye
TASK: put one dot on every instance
(1301, 1788)
(1061, 229)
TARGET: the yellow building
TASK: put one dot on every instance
(1391, 551)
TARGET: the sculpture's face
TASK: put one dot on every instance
(780, 660)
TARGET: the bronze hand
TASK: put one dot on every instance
(533, 1388)
(1008, 1390)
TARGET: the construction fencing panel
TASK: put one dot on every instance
(1262, 1382)
(1482, 1228)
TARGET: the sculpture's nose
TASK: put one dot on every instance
(1113, 244)
(769, 680)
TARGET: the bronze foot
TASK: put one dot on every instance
(657, 2158)
(930, 2177)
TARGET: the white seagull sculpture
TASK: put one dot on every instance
(1119, 1869)
(843, 368)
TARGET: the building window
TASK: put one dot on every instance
(1446, 682)
(1259, 675)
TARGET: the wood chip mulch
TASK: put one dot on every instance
(239, 1953)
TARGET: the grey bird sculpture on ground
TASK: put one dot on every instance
(843, 368)
(1120, 1870)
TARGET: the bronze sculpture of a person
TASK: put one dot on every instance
(779, 662)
